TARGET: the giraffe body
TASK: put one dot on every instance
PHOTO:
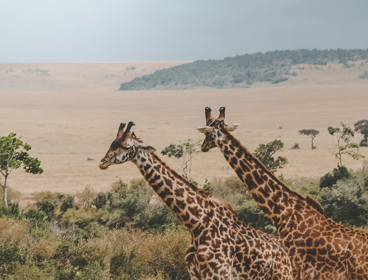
(318, 247)
(222, 247)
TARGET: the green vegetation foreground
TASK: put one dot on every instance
(129, 233)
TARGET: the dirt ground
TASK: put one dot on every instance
(66, 123)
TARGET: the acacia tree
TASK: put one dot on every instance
(184, 153)
(361, 127)
(265, 153)
(312, 133)
(344, 146)
(13, 155)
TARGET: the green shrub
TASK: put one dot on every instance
(100, 200)
(67, 273)
(93, 271)
(67, 203)
(11, 211)
(339, 173)
(346, 203)
(28, 272)
(121, 265)
(11, 255)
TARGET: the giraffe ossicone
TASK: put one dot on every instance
(318, 247)
(222, 246)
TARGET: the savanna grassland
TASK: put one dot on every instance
(79, 222)
(66, 126)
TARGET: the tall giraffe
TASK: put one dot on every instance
(222, 247)
(318, 247)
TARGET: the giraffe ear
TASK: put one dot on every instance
(146, 148)
(205, 129)
(232, 127)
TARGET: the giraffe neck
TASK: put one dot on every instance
(276, 200)
(183, 198)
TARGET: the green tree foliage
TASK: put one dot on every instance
(240, 71)
(265, 153)
(184, 153)
(344, 146)
(13, 155)
(312, 133)
(339, 173)
(361, 127)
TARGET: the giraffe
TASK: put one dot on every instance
(318, 247)
(222, 246)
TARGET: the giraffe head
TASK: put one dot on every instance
(214, 129)
(124, 148)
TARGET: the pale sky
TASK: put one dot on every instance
(173, 30)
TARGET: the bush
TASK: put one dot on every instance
(11, 255)
(86, 197)
(164, 253)
(49, 202)
(67, 273)
(295, 146)
(363, 143)
(100, 200)
(11, 211)
(339, 173)
(93, 271)
(67, 203)
(346, 203)
(121, 265)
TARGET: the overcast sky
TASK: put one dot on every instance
(173, 30)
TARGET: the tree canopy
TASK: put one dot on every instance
(265, 153)
(13, 155)
(361, 127)
(344, 146)
(184, 153)
(312, 133)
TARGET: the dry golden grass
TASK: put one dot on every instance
(67, 127)
(16, 231)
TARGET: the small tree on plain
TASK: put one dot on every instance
(265, 153)
(344, 146)
(361, 127)
(184, 153)
(13, 155)
(312, 133)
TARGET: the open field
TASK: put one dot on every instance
(66, 126)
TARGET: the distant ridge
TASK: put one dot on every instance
(240, 71)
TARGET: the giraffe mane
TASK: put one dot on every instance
(315, 204)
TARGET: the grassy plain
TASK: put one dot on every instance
(72, 111)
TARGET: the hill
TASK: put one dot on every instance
(242, 71)
(73, 76)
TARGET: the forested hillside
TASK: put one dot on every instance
(241, 71)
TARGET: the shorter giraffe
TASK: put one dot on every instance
(318, 247)
(222, 246)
